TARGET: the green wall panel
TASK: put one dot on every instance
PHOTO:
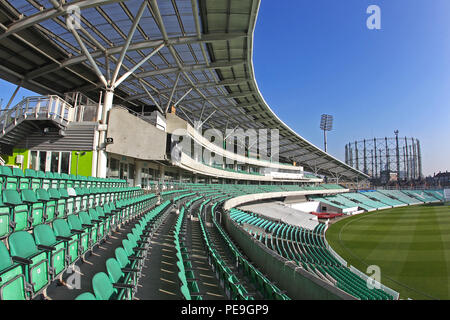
(84, 163)
(11, 160)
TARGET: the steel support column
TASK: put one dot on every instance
(102, 155)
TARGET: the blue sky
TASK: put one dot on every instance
(317, 56)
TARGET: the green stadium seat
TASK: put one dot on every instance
(35, 207)
(138, 244)
(86, 296)
(76, 182)
(117, 274)
(22, 181)
(53, 178)
(100, 196)
(13, 285)
(19, 210)
(82, 198)
(237, 291)
(6, 224)
(101, 223)
(93, 197)
(63, 180)
(59, 201)
(23, 250)
(73, 241)
(84, 234)
(35, 182)
(56, 249)
(70, 181)
(92, 182)
(125, 261)
(8, 180)
(49, 204)
(82, 181)
(45, 180)
(70, 201)
(110, 211)
(134, 252)
(186, 292)
(91, 226)
(76, 201)
(99, 214)
(104, 289)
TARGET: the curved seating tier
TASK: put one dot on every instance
(308, 249)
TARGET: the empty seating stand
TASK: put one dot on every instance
(228, 278)
(119, 279)
(268, 289)
(13, 285)
(44, 232)
(188, 283)
(51, 221)
(308, 249)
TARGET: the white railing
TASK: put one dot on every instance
(338, 257)
(285, 175)
(404, 188)
(333, 253)
(40, 107)
(375, 283)
(240, 158)
(364, 276)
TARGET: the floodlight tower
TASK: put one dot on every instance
(397, 154)
(326, 124)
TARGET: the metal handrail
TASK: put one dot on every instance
(136, 114)
(50, 107)
(404, 188)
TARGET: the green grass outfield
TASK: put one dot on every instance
(411, 245)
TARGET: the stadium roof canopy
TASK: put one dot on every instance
(193, 53)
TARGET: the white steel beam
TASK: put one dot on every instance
(198, 85)
(132, 70)
(173, 91)
(184, 95)
(52, 13)
(91, 60)
(128, 41)
(201, 124)
(151, 97)
(148, 44)
(189, 68)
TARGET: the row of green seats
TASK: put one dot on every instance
(437, 194)
(28, 208)
(35, 259)
(15, 178)
(377, 196)
(308, 248)
(264, 285)
(119, 280)
(282, 238)
(189, 286)
(399, 195)
(420, 195)
(234, 289)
